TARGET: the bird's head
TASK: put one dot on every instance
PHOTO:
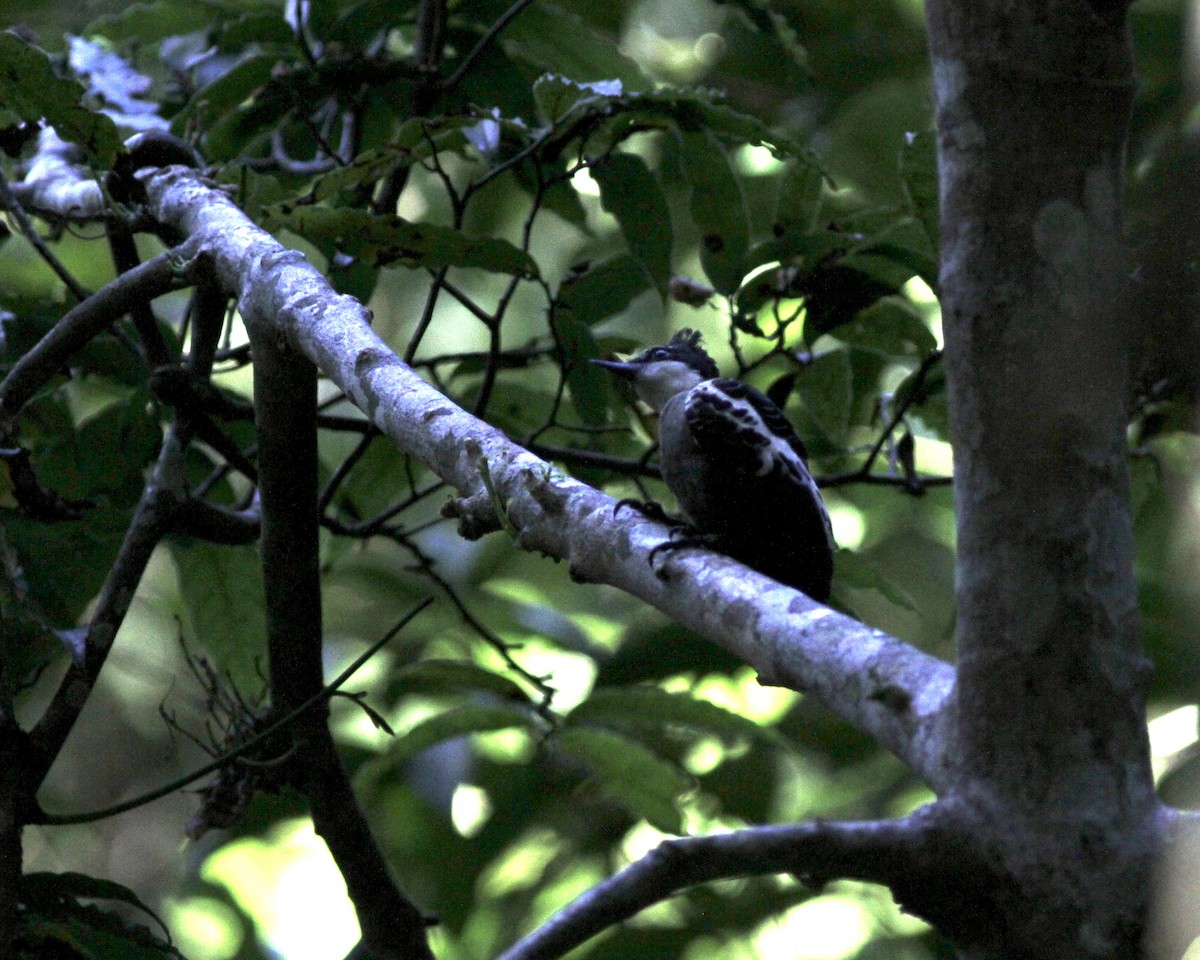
(659, 373)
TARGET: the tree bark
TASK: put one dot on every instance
(1033, 100)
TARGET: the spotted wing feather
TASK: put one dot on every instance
(732, 418)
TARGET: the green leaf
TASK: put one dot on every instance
(556, 95)
(761, 14)
(30, 88)
(854, 571)
(223, 601)
(695, 109)
(65, 563)
(515, 408)
(452, 676)
(636, 777)
(632, 194)
(827, 389)
(378, 479)
(386, 239)
(652, 708)
(552, 38)
(918, 173)
(894, 264)
(417, 139)
(834, 295)
(148, 22)
(588, 383)
(929, 414)
(798, 206)
(225, 94)
(890, 328)
(264, 28)
(603, 290)
(656, 650)
(718, 209)
(55, 923)
(114, 447)
(47, 887)
(456, 722)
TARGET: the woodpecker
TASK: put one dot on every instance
(734, 463)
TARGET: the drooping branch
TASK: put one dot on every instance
(876, 851)
(883, 686)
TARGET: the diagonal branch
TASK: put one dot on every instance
(161, 274)
(877, 851)
(887, 688)
(152, 520)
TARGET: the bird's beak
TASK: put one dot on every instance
(622, 369)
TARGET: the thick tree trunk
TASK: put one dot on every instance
(1033, 99)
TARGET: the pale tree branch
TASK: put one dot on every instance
(876, 851)
(885, 687)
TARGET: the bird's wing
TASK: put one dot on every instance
(739, 426)
(732, 418)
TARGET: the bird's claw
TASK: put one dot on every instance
(649, 509)
(681, 538)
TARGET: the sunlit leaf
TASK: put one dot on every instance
(652, 708)
(452, 676)
(636, 777)
(455, 722)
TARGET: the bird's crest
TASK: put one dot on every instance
(684, 347)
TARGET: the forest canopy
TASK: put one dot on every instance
(511, 191)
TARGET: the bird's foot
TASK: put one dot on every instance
(651, 510)
(682, 538)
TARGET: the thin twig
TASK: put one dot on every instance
(10, 203)
(53, 819)
(476, 51)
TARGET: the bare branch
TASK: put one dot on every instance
(152, 519)
(161, 274)
(877, 851)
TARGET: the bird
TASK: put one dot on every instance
(735, 465)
